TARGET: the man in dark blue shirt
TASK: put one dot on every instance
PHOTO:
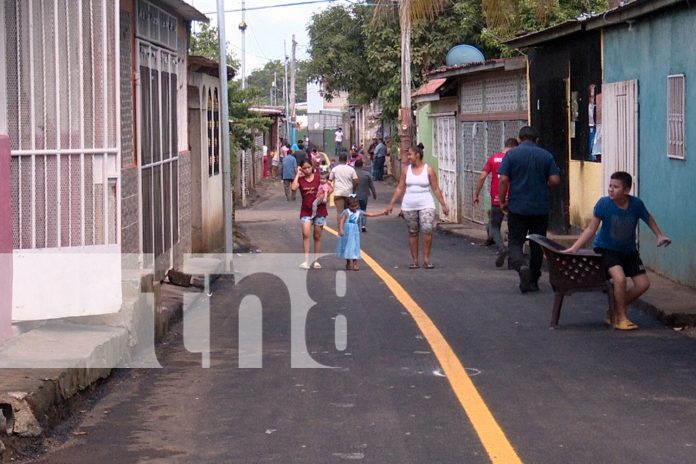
(288, 172)
(526, 174)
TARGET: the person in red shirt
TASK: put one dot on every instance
(496, 212)
(307, 180)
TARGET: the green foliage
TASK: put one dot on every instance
(349, 51)
(205, 43)
(262, 79)
(244, 122)
(353, 52)
(509, 17)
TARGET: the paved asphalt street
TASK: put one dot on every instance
(397, 393)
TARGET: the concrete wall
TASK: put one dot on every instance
(206, 207)
(424, 133)
(657, 49)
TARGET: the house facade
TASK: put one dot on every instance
(93, 99)
(565, 92)
(481, 105)
(204, 139)
(648, 62)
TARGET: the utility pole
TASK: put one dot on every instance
(274, 89)
(285, 92)
(243, 27)
(293, 72)
(228, 207)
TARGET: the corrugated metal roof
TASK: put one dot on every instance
(507, 64)
(465, 66)
(208, 66)
(430, 87)
(268, 110)
(182, 9)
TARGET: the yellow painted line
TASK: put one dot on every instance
(489, 432)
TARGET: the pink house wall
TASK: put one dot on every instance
(5, 240)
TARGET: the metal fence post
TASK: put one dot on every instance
(5, 240)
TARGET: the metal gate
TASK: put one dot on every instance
(620, 130)
(445, 144)
(158, 150)
(479, 141)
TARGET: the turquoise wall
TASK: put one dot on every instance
(424, 134)
(649, 50)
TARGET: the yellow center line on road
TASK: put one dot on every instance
(492, 437)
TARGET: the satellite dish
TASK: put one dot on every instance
(463, 54)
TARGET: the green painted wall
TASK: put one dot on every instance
(424, 134)
(649, 50)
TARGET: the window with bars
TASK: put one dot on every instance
(158, 148)
(60, 74)
(213, 115)
(675, 116)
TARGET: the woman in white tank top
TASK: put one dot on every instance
(417, 184)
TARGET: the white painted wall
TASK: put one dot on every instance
(51, 283)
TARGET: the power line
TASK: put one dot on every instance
(273, 6)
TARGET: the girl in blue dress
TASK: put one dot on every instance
(348, 245)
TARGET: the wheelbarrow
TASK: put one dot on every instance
(573, 272)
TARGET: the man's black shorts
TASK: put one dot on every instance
(630, 262)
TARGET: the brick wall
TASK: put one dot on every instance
(129, 171)
(184, 245)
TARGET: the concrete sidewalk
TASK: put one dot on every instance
(49, 362)
(672, 304)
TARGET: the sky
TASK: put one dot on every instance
(266, 29)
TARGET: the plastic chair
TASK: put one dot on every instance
(573, 272)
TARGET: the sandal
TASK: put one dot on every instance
(356, 267)
(413, 266)
(625, 324)
(428, 266)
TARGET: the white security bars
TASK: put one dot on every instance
(675, 116)
(60, 74)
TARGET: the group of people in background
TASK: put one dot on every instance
(352, 187)
(521, 177)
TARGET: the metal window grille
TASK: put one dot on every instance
(61, 117)
(213, 115)
(158, 148)
(675, 116)
(155, 25)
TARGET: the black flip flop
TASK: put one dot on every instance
(413, 266)
(428, 266)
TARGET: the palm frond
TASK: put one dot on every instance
(415, 9)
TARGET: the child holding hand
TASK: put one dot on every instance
(348, 245)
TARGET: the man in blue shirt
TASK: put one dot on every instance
(380, 156)
(526, 174)
(619, 214)
(289, 173)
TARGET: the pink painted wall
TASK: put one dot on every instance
(5, 240)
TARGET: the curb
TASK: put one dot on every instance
(33, 400)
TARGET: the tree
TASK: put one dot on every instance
(262, 79)
(354, 50)
(409, 11)
(205, 43)
(505, 18)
